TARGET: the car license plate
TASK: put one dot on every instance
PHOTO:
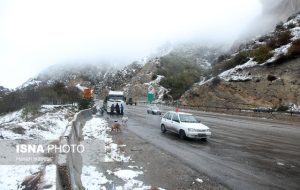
(201, 135)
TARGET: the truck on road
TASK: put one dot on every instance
(114, 98)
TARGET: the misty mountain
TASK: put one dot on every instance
(263, 72)
(273, 12)
(136, 77)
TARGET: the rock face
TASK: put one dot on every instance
(137, 87)
(272, 86)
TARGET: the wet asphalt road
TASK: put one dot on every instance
(243, 153)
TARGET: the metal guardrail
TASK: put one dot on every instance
(219, 109)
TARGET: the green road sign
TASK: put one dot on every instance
(150, 97)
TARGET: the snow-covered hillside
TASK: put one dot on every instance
(45, 124)
(48, 124)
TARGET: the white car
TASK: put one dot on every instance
(153, 110)
(185, 125)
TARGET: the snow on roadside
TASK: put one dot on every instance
(11, 176)
(234, 74)
(92, 179)
(97, 128)
(128, 177)
(49, 178)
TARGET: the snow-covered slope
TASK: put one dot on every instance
(48, 124)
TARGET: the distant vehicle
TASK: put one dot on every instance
(185, 125)
(113, 98)
(130, 102)
(153, 110)
(263, 109)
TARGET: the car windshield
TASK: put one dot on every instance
(115, 97)
(187, 118)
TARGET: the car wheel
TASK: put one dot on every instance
(204, 139)
(182, 134)
(163, 128)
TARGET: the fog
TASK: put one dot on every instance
(35, 34)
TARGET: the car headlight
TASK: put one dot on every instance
(192, 130)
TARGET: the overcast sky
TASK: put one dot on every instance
(35, 34)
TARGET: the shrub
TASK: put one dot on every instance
(154, 76)
(279, 27)
(261, 54)
(31, 110)
(180, 74)
(216, 81)
(85, 103)
(54, 94)
(223, 58)
(294, 50)
(291, 25)
(240, 58)
(271, 77)
(263, 38)
(281, 38)
(282, 108)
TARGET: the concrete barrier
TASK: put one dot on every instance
(69, 165)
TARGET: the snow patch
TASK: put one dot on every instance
(49, 125)
(280, 164)
(31, 82)
(199, 180)
(11, 176)
(92, 179)
(156, 81)
(127, 174)
(96, 128)
(236, 74)
(204, 81)
(295, 32)
(49, 178)
(283, 50)
(81, 87)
